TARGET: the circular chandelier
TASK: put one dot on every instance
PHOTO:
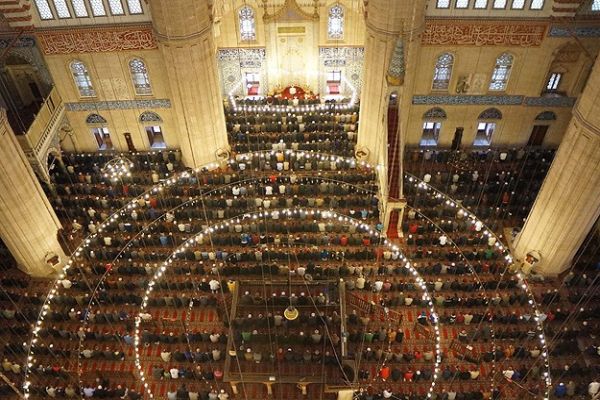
(117, 168)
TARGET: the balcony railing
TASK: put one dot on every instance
(45, 125)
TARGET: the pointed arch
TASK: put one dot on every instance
(150, 116)
(546, 116)
(490, 113)
(95, 119)
(435, 113)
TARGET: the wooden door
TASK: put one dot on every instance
(537, 135)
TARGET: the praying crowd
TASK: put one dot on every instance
(282, 226)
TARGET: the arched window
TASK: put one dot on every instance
(82, 79)
(546, 116)
(443, 72)
(247, 23)
(435, 113)
(100, 131)
(150, 116)
(486, 126)
(491, 113)
(501, 72)
(335, 23)
(153, 126)
(95, 119)
(139, 76)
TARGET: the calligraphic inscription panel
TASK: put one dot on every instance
(97, 40)
(441, 33)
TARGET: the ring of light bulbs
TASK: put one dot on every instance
(523, 284)
(117, 168)
(286, 212)
(320, 156)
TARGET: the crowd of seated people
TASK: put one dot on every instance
(85, 347)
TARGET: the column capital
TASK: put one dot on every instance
(394, 17)
(181, 19)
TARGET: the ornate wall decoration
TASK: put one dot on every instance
(95, 119)
(451, 32)
(569, 53)
(435, 113)
(118, 105)
(469, 100)
(248, 58)
(233, 60)
(490, 113)
(20, 42)
(26, 48)
(97, 40)
(546, 116)
(506, 100)
(396, 69)
(550, 101)
(349, 58)
(581, 31)
(150, 116)
(340, 56)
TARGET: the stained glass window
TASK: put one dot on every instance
(116, 7)
(462, 3)
(247, 23)
(501, 72)
(80, 9)
(518, 4)
(82, 79)
(135, 7)
(44, 9)
(499, 3)
(335, 24)
(61, 9)
(98, 8)
(443, 4)
(537, 4)
(481, 3)
(443, 72)
(139, 76)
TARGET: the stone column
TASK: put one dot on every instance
(384, 22)
(28, 224)
(388, 22)
(393, 28)
(185, 37)
(569, 201)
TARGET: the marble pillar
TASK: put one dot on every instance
(387, 23)
(568, 204)
(184, 30)
(28, 224)
(391, 48)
